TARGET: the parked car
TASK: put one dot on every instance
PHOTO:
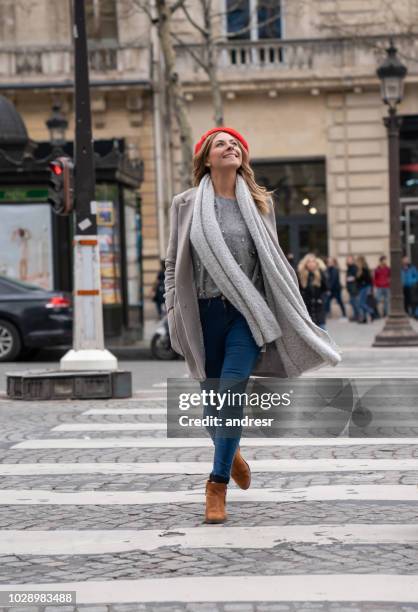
(32, 317)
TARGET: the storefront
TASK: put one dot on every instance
(409, 185)
(35, 244)
(300, 199)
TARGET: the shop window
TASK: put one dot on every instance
(299, 186)
(300, 202)
(409, 156)
(109, 240)
(101, 18)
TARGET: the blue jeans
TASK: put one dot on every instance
(382, 293)
(231, 353)
(354, 306)
(363, 307)
(334, 295)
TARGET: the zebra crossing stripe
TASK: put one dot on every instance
(124, 411)
(388, 493)
(111, 427)
(299, 587)
(97, 541)
(204, 467)
(127, 442)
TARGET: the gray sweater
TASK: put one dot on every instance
(238, 240)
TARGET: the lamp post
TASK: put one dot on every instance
(397, 330)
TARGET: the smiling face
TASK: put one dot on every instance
(225, 153)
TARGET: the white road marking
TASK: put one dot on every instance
(124, 411)
(203, 467)
(97, 541)
(300, 587)
(204, 442)
(388, 493)
(110, 427)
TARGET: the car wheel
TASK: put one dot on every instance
(10, 342)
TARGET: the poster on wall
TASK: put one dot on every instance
(26, 243)
(108, 233)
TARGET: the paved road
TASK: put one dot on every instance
(328, 524)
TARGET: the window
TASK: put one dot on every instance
(268, 19)
(238, 19)
(101, 18)
(253, 19)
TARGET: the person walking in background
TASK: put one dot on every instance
(313, 287)
(351, 286)
(334, 286)
(409, 276)
(157, 290)
(364, 286)
(381, 282)
(291, 259)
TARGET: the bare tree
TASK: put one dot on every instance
(160, 17)
(210, 34)
(380, 21)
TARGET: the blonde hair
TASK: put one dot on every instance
(259, 194)
(303, 271)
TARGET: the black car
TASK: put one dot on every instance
(32, 317)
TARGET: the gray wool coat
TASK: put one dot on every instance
(181, 295)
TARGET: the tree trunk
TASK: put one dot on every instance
(211, 64)
(175, 93)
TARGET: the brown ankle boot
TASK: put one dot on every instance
(240, 471)
(215, 502)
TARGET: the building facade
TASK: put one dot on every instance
(298, 78)
(36, 72)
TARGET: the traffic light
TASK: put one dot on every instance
(60, 185)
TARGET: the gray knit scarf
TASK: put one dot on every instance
(267, 319)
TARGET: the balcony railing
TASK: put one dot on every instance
(56, 62)
(318, 57)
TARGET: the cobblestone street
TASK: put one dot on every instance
(328, 524)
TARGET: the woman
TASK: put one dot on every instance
(364, 287)
(334, 286)
(232, 298)
(313, 287)
(351, 286)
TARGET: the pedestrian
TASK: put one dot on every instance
(334, 286)
(351, 286)
(157, 290)
(233, 304)
(364, 286)
(291, 259)
(409, 276)
(381, 282)
(313, 287)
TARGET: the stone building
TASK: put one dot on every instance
(298, 78)
(304, 92)
(36, 71)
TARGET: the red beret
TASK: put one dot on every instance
(228, 130)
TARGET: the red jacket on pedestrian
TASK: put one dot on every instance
(381, 277)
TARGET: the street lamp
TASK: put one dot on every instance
(57, 125)
(397, 330)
